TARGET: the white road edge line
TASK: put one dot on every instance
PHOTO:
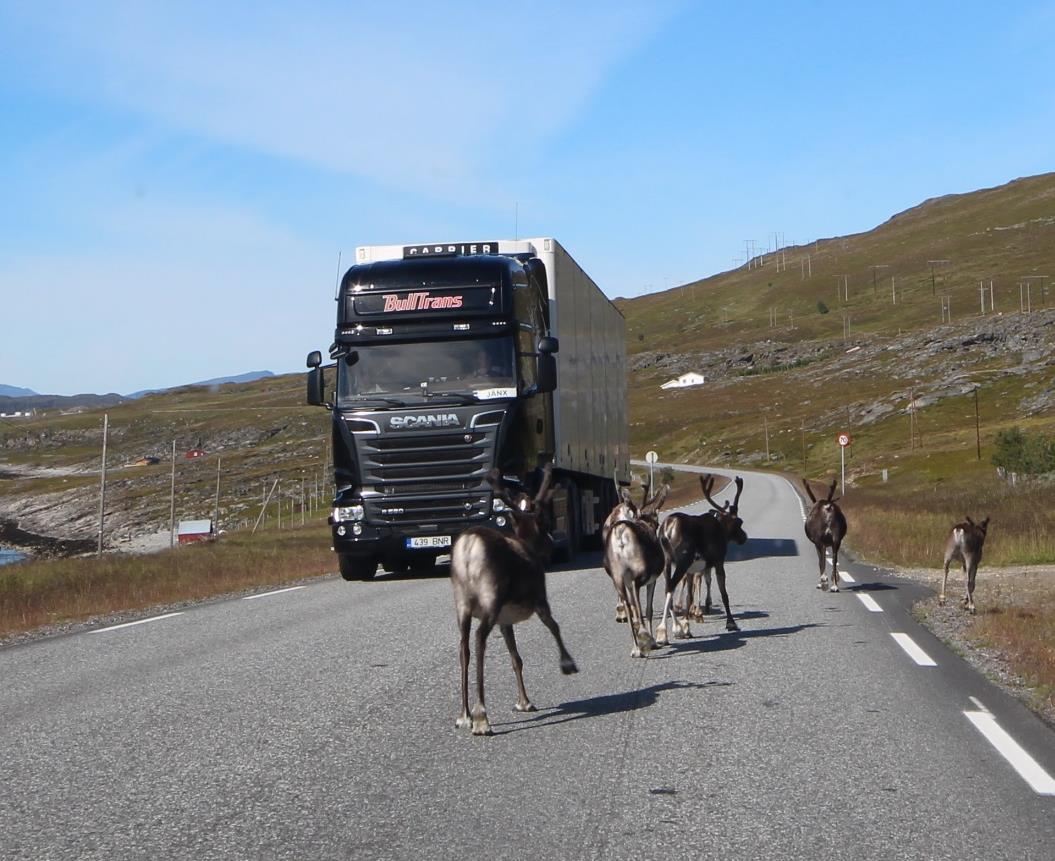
(275, 592)
(978, 704)
(1027, 767)
(140, 622)
(844, 576)
(913, 651)
(869, 602)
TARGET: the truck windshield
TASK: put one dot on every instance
(397, 370)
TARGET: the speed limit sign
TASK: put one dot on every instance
(844, 439)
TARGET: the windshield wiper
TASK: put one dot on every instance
(366, 401)
(449, 397)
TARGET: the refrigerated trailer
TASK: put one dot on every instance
(453, 359)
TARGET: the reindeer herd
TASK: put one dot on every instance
(499, 578)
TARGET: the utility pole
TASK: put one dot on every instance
(216, 503)
(932, 264)
(102, 484)
(981, 296)
(911, 419)
(302, 500)
(893, 291)
(263, 508)
(765, 425)
(977, 426)
(803, 447)
(876, 266)
(172, 500)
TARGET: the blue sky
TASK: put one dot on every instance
(178, 179)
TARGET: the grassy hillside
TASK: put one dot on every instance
(772, 340)
(259, 432)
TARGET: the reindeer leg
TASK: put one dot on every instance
(481, 726)
(972, 570)
(730, 622)
(620, 613)
(567, 664)
(642, 641)
(823, 585)
(695, 610)
(650, 591)
(835, 568)
(681, 629)
(944, 580)
(464, 721)
(523, 703)
(707, 601)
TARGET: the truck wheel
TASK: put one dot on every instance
(567, 551)
(357, 567)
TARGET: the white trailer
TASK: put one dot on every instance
(590, 403)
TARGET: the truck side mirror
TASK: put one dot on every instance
(547, 373)
(548, 345)
(316, 383)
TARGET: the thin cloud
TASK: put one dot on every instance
(427, 97)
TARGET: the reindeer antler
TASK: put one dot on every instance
(736, 499)
(809, 491)
(494, 478)
(708, 485)
(656, 502)
(544, 491)
(831, 490)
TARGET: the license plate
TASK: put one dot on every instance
(427, 541)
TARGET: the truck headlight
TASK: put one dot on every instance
(349, 512)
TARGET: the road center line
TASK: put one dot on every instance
(869, 602)
(140, 622)
(275, 592)
(913, 651)
(1027, 767)
(844, 576)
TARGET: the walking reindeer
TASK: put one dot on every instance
(635, 555)
(703, 537)
(826, 527)
(499, 579)
(964, 545)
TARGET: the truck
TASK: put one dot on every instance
(452, 359)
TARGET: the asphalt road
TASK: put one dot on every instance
(319, 723)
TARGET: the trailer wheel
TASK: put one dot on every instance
(566, 552)
(357, 567)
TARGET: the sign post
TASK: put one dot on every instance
(650, 458)
(844, 440)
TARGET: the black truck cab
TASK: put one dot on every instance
(444, 370)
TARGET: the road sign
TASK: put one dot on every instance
(651, 457)
(844, 439)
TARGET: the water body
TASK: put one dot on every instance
(9, 556)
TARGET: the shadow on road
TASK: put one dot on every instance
(606, 704)
(762, 548)
(724, 641)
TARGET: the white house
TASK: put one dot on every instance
(689, 379)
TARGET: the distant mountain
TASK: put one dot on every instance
(58, 402)
(15, 392)
(247, 377)
(15, 399)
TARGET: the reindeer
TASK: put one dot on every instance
(705, 537)
(634, 556)
(826, 527)
(499, 579)
(964, 545)
(625, 509)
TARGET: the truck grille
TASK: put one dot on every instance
(431, 478)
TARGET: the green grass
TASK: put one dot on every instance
(43, 592)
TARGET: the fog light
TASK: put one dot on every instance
(340, 530)
(501, 521)
(358, 529)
